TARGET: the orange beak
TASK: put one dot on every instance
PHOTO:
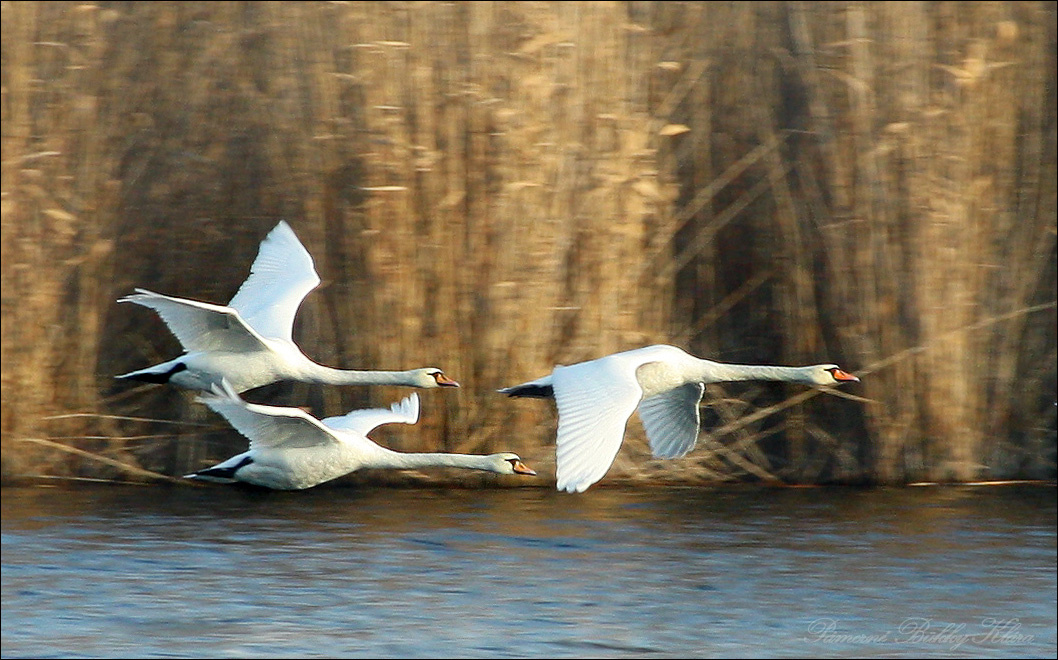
(445, 381)
(844, 376)
(522, 468)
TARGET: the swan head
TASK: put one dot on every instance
(829, 374)
(508, 463)
(429, 377)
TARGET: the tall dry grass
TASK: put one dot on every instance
(934, 166)
(496, 187)
(875, 182)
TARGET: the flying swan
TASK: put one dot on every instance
(292, 450)
(250, 341)
(596, 398)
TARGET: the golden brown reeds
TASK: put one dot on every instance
(890, 191)
(496, 187)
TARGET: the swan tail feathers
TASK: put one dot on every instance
(530, 391)
(223, 473)
(159, 374)
(541, 388)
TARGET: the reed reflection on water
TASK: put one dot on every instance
(529, 572)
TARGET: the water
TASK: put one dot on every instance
(119, 571)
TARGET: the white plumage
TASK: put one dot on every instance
(249, 342)
(292, 450)
(664, 383)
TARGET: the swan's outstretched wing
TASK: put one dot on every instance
(671, 420)
(364, 421)
(280, 278)
(200, 326)
(595, 400)
(273, 427)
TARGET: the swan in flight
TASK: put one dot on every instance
(292, 450)
(596, 398)
(250, 341)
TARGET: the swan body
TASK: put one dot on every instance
(250, 342)
(292, 450)
(664, 383)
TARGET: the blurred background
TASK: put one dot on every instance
(494, 188)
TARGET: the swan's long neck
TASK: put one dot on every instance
(331, 376)
(719, 372)
(400, 460)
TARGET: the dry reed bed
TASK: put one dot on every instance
(494, 187)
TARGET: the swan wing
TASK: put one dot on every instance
(671, 420)
(200, 326)
(280, 278)
(271, 427)
(365, 421)
(594, 400)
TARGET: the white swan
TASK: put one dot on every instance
(249, 342)
(596, 398)
(292, 450)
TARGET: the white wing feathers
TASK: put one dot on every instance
(280, 277)
(199, 326)
(265, 305)
(671, 420)
(278, 427)
(364, 421)
(595, 400)
(268, 426)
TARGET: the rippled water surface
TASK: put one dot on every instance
(126, 571)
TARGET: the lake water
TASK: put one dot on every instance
(131, 571)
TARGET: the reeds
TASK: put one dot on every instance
(496, 187)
